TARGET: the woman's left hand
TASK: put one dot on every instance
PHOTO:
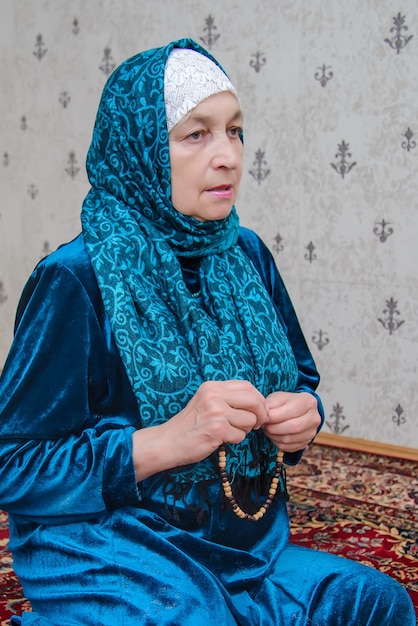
(293, 420)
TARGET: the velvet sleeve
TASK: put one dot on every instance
(308, 376)
(63, 454)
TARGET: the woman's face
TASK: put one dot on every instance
(206, 158)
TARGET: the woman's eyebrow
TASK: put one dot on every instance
(202, 118)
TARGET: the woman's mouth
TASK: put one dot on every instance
(222, 191)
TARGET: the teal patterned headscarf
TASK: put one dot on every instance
(168, 341)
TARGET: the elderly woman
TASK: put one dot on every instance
(157, 378)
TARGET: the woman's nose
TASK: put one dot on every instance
(227, 152)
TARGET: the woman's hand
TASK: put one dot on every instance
(293, 420)
(219, 412)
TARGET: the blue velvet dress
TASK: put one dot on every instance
(93, 547)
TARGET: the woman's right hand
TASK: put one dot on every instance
(219, 412)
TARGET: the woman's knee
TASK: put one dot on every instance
(365, 597)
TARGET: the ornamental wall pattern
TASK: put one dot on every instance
(331, 125)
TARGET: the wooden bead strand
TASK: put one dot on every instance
(274, 485)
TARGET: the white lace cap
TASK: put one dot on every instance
(189, 78)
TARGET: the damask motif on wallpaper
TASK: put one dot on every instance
(330, 184)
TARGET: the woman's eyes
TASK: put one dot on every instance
(196, 135)
(235, 131)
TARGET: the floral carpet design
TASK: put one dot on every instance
(358, 505)
(354, 504)
(11, 598)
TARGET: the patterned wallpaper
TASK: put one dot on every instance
(329, 95)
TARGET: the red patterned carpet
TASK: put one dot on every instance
(358, 505)
(362, 506)
(11, 598)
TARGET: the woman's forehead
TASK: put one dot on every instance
(221, 107)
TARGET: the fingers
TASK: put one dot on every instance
(236, 426)
(219, 412)
(289, 441)
(292, 443)
(293, 420)
(224, 412)
(282, 405)
(236, 400)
